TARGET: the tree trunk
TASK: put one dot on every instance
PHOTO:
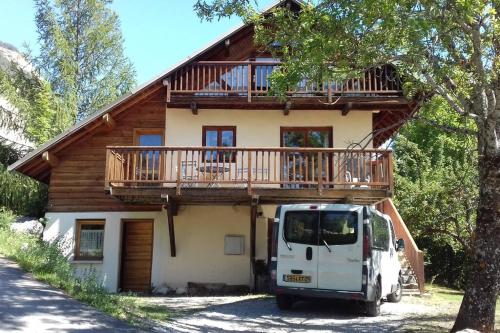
(478, 305)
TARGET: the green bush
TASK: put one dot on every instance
(47, 263)
(6, 218)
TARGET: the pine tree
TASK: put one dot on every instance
(81, 53)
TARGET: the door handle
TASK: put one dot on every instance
(309, 253)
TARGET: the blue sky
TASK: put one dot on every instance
(158, 33)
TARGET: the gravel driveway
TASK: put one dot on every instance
(239, 314)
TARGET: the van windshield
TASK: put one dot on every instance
(339, 228)
(335, 227)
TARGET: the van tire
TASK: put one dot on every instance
(373, 308)
(396, 296)
(284, 302)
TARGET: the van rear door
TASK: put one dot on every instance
(298, 249)
(340, 250)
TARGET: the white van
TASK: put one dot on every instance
(335, 251)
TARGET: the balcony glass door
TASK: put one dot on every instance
(148, 162)
(301, 168)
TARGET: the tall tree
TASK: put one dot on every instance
(81, 53)
(449, 48)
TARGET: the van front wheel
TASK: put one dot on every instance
(373, 308)
(284, 302)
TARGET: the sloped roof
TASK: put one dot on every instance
(96, 117)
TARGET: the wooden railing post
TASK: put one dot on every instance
(389, 172)
(179, 166)
(249, 175)
(320, 172)
(249, 82)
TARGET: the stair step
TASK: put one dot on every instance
(411, 292)
(410, 285)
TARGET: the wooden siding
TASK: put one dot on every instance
(77, 183)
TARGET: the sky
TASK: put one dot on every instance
(157, 33)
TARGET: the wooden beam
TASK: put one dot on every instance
(347, 107)
(50, 158)
(288, 106)
(171, 232)
(194, 108)
(108, 121)
(253, 228)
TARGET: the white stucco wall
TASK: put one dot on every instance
(261, 128)
(199, 232)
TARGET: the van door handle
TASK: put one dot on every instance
(309, 253)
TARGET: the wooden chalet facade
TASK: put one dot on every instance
(150, 190)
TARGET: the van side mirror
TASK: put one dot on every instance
(400, 244)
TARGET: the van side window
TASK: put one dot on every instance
(339, 228)
(380, 233)
(301, 227)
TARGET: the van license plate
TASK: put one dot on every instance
(296, 278)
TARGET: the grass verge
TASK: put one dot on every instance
(46, 263)
(444, 304)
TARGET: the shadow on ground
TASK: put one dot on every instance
(262, 315)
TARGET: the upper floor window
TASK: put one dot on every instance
(219, 136)
(89, 239)
(148, 137)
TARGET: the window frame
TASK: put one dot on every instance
(306, 130)
(219, 130)
(148, 131)
(78, 228)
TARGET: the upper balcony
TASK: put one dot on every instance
(238, 175)
(247, 82)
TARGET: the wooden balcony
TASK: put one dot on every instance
(249, 81)
(198, 175)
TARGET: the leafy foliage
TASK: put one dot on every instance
(81, 53)
(20, 193)
(437, 190)
(38, 114)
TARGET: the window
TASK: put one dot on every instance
(301, 227)
(339, 228)
(234, 244)
(89, 239)
(380, 233)
(219, 136)
(150, 159)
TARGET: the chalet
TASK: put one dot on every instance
(178, 181)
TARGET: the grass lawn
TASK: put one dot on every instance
(444, 304)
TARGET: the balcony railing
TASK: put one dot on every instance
(248, 79)
(223, 167)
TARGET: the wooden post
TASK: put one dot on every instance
(389, 172)
(249, 83)
(253, 232)
(50, 158)
(106, 176)
(171, 232)
(320, 172)
(330, 93)
(179, 165)
(249, 175)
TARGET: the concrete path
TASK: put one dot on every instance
(27, 305)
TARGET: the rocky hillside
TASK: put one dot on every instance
(10, 56)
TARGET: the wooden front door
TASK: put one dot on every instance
(137, 252)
